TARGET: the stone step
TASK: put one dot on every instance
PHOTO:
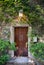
(20, 61)
(20, 64)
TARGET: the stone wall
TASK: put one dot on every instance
(4, 31)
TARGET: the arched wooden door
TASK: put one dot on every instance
(21, 40)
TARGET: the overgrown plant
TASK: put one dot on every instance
(4, 47)
(37, 50)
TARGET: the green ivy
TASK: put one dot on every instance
(10, 9)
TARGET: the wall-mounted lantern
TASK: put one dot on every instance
(21, 13)
(34, 39)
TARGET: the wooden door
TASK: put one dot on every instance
(21, 40)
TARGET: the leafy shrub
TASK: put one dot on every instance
(4, 59)
(4, 47)
(37, 50)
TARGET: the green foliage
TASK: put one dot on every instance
(5, 46)
(12, 46)
(41, 2)
(37, 50)
(4, 59)
(9, 9)
(36, 16)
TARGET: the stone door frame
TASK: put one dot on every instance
(12, 36)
